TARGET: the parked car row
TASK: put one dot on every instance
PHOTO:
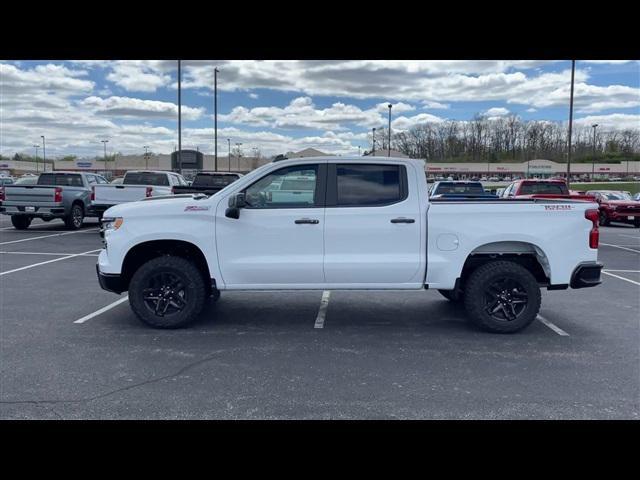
(72, 196)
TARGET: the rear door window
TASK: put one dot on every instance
(360, 185)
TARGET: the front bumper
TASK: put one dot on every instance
(111, 282)
(586, 275)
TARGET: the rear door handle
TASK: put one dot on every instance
(402, 220)
(311, 221)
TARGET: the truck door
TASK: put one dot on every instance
(278, 238)
(372, 226)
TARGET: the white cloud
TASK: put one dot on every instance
(406, 123)
(302, 113)
(614, 121)
(428, 104)
(135, 107)
(140, 76)
(497, 112)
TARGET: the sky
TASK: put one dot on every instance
(280, 106)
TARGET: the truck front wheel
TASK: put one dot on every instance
(502, 297)
(167, 292)
(20, 222)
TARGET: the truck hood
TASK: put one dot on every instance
(158, 206)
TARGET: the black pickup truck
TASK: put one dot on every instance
(208, 183)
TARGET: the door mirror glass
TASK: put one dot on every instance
(236, 202)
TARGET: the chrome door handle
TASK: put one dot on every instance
(311, 221)
(402, 220)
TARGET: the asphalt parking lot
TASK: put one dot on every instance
(289, 355)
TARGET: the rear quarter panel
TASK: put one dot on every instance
(558, 229)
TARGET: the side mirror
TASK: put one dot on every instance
(236, 202)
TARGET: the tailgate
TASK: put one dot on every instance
(29, 195)
(115, 194)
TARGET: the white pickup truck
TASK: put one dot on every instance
(136, 185)
(347, 223)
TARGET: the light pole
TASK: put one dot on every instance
(146, 157)
(37, 147)
(359, 151)
(215, 119)
(593, 160)
(573, 72)
(373, 149)
(180, 116)
(239, 155)
(389, 141)
(229, 156)
(44, 154)
(104, 142)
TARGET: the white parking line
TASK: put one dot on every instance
(627, 271)
(621, 278)
(621, 248)
(45, 236)
(49, 253)
(553, 327)
(102, 310)
(322, 312)
(48, 261)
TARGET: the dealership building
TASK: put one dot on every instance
(193, 160)
(533, 168)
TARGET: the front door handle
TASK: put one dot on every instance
(402, 220)
(311, 221)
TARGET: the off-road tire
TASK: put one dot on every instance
(476, 292)
(74, 220)
(194, 291)
(20, 222)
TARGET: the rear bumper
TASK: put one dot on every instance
(111, 282)
(586, 275)
(39, 212)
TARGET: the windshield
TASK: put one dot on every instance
(460, 188)
(544, 188)
(220, 181)
(60, 179)
(146, 178)
(616, 196)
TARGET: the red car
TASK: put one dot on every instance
(616, 206)
(551, 188)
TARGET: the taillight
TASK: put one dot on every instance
(148, 192)
(594, 233)
(57, 195)
(93, 193)
(1, 194)
(173, 190)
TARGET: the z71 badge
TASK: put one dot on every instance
(196, 208)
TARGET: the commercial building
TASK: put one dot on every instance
(193, 160)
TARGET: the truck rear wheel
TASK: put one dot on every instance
(167, 292)
(74, 220)
(20, 222)
(502, 297)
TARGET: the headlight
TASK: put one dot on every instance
(111, 224)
